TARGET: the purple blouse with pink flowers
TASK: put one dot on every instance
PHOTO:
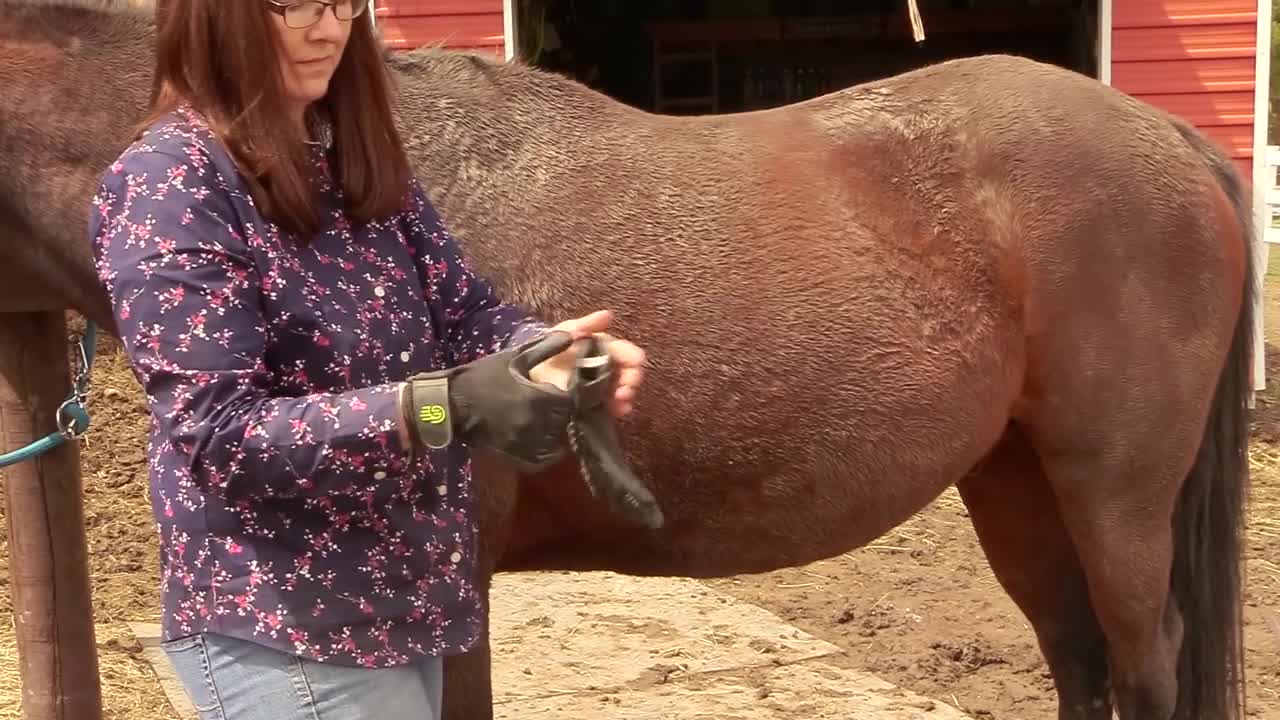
(288, 512)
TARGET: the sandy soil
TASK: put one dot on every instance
(923, 611)
(919, 607)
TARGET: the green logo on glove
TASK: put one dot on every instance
(431, 414)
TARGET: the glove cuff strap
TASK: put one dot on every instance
(429, 411)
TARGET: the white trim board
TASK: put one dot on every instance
(1263, 179)
(510, 29)
(1104, 41)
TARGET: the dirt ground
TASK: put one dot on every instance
(919, 608)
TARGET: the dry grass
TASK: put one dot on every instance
(1263, 566)
(129, 686)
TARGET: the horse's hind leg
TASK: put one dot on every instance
(1140, 426)
(1118, 508)
(1018, 524)
(1151, 496)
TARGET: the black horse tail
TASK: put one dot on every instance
(1208, 573)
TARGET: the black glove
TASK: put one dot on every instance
(491, 403)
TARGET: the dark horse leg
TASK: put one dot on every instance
(468, 688)
(1123, 531)
(1151, 495)
(1021, 531)
(468, 683)
(468, 692)
(1141, 429)
(1153, 522)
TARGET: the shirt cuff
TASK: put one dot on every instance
(526, 332)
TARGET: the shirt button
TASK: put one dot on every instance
(380, 475)
(442, 489)
(404, 356)
(455, 558)
(379, 291)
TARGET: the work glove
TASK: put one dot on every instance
(491, 403)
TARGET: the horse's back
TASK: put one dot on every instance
(1124, 243)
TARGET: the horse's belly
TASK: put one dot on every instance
(788, 483)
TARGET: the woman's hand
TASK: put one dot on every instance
(627, 358)
(628, 361)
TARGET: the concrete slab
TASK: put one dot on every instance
(148, 636)
(568, 646)
(558, 633)
(810, 690)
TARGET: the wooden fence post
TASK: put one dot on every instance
(48, 551)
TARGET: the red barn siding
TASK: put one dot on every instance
(1194, 58)
(465, 24)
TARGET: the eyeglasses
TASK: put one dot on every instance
(305, 13)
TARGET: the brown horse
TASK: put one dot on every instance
(988, 272)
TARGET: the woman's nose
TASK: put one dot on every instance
(329, 27)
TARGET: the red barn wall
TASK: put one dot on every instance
(1194, 58)
(467, 24)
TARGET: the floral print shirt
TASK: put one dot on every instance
(288, 511)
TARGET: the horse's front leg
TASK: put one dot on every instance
(468, 689)
(468, 686)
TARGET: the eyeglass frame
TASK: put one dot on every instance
(281, 8)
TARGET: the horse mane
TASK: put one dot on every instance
(110, 6)
(62, 20)
(437, 58)
(453, 70)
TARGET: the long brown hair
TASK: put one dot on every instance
(212, 55)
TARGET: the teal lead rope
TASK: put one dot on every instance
(73, 419)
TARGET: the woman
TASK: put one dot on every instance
(277, 276)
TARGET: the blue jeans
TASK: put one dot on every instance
(230, 679)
